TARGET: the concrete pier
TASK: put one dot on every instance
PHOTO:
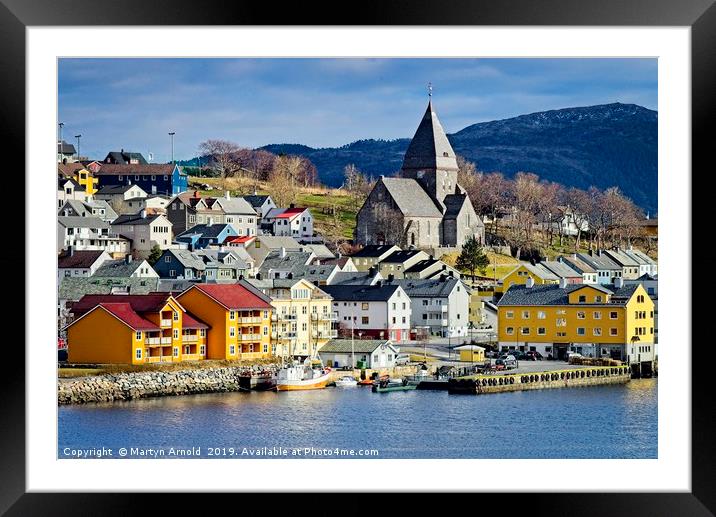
(592, 376)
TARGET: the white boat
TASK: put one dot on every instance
(346, 381)
(302, 377)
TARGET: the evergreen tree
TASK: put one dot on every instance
(154, 255)
(472, 257)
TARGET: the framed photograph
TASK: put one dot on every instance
(420, 253)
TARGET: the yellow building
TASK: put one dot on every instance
(518, 276)
(471, 353)
(84, 175)
(599, 321)
(239, 318)
(302, 320)
(134, 329)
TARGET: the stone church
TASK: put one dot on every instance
(424, 207)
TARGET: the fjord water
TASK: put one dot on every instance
(613, 421)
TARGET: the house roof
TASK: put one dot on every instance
(149, 302)
(125, 313)
(374, 250)
(116, 189)
(359, 346)
(411, 198)
(118, 268)
(65, 148)
(256, 201)
(621, 258)
(78, 259)
(136, 169)
(368, 293)
(321, 251)
(79, 207)
(599, 262)
(74, 288)
(578, 264)
(640, 257)
(429, 148)
(355, 278)
(76, 221)
(290, 213)
(427, 288)
(218, 258)
(239, 239)
(205, 230)
(453, 205)
(136, 219)
(173, 285)
(400, 256)
(274, 242)
(61, 182)
(189, 321)
(123, 156)
(234, 296)
(469, 347)
(314, 273)
(69, 169)
(560, 269)
(422, 265)
(234, 205)
(548, 294)
(292, 260)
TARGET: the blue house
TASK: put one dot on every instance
(202, 235)
(155, 178)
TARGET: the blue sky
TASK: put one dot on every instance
(134, 103)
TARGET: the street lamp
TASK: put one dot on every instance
(78, 146)
(171, 134)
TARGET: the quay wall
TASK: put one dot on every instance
(596, 375)
(135, 385)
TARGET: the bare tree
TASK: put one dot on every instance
(357, 184)
(333, 228)
(222, 157)
(283, 180)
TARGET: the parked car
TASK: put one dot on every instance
(533, 355)
(507, 362)
(402, 359)
(573, 354)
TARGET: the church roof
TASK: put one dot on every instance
(430, 148)
(411, 198)
(453, 205)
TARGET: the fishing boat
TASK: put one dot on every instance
(388, 385)
(306, 376)
(346, 381)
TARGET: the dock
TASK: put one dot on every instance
(592, 376)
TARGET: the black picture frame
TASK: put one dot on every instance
(700, 15)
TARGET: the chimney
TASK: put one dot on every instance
(562, 283)
(371, 271)
(282, 252)
(228, 195)
(258, 276)
(241, 277)
(289, 276)
(71, 250)
(379, 283)
(530, 282)
(443, 277)
(618, 282)
(143, 213)
(292, 205)
(391, 277)
(196, 193)
(450, 273)
(128, 258)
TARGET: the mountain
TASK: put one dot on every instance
(606, 145)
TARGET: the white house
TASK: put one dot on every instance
(89, 233)
(291, 222)
(69, 190)
(374, 353)
(440, 305)
(377, 311)
(83, 263)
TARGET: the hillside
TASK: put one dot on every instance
(606, 145)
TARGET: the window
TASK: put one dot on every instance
(364, 306)
(582, 299)
(580, 331)
(265, 348)
(598, 298)
(176, 351)
(265, 331)
(509, 314)
(232, 331)
(525, 331)
(232, 315)
(232, 350)
(525, 315)
(597, 315)
(202, 333)
(138, 353)
(202, 349)
(176, 333)
(176, 316)
(120, 178)
(613, 331)
(364, 320)
(541, 331)
(541, 315)
(509, 330)
(580, 315)
(139, 335)
(613, 315)
(597, 331)
(561, 322)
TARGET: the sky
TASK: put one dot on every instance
(133, 104)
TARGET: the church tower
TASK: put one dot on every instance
(430, 158)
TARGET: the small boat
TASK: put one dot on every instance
(346, 381)
(304, 376)
(366, 382)
(387, 385)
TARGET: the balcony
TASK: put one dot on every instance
(152, 341)
(249, 337)
(166, 341)
(190, 338)
(166, 323)
(250, 321)
(323, 316)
